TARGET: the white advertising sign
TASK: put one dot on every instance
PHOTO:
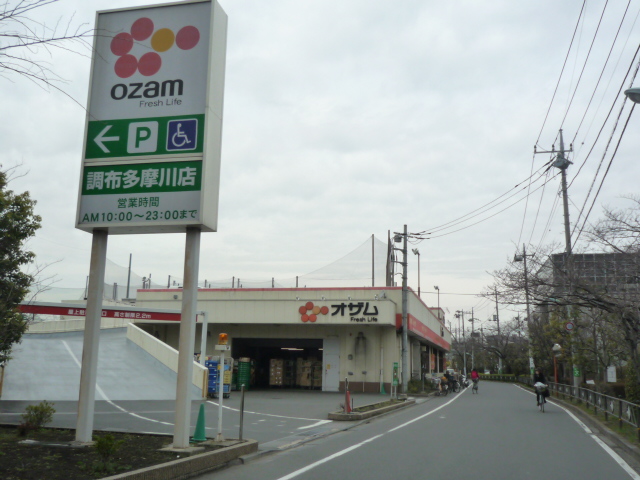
(155, 101)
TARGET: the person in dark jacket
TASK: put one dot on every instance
(538, 376)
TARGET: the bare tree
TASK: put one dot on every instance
(23, 39)
(571, 288)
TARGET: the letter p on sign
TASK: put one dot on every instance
(142, 137)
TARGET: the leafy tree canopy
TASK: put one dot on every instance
(18, 223)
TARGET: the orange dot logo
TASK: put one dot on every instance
(162, 40)
(309, 312)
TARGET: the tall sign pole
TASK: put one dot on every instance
(151, 156)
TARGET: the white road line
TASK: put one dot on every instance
(617, 458)
(330, 457)
(318, 422)
(104, 395)
(353, 447)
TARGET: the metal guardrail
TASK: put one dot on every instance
(626, 412)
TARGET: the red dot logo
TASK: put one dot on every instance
(309, 312)
(187, 38)
(149, 64)
(126, 66)
(142, 29)
(160, 41)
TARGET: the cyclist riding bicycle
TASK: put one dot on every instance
(538, 377)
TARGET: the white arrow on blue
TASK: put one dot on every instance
(101, 138)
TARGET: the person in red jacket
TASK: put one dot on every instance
(475, 378)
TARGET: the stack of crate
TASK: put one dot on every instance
(276, 371)
(289, 379)
(304, 373)
(316, 374)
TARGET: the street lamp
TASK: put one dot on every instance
(417, 252)
(437, 289)
(633, 94)
(556, 353)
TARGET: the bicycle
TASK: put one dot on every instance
(455, 386)
(475, 386)
(440, 387)
(541, 389)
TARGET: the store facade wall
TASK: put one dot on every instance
(348, 334)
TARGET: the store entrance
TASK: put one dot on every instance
(281, 362)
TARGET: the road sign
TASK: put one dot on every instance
(156, 90)
(123, 139)
(569, 326)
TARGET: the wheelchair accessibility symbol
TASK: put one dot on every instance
(182, 134)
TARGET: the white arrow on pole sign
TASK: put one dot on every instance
(101, 138)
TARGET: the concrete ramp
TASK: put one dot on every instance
(47, 367)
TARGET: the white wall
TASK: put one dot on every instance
(167, 355)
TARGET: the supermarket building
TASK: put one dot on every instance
(352, 334)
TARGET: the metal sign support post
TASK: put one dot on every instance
(203, 337)
(89, 369)
(222, 348)
(187, 339)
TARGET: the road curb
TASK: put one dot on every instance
(358, 416)
(602, 429)
(190, 466)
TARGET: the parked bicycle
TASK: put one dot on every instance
(441, 388)
(455, 385)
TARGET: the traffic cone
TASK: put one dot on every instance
(199, 434)
(382, 391)
(347, 402)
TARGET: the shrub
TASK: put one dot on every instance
(36, 416)
(414, 386)
(106, 446)
(631, 387)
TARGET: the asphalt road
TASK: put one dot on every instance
(497, 434)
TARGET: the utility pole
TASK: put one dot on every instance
(523, 258)
(562, 163)
(397, 238)
(460, 315)
(129, 275)
(405, 334)
(499, 337)
(473, 341)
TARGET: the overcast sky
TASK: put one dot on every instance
(352, 118)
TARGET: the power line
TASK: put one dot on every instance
(603, 68)
(561, 72)
(484, 208)
(491, 216)
(584, 66)
(605, 173)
